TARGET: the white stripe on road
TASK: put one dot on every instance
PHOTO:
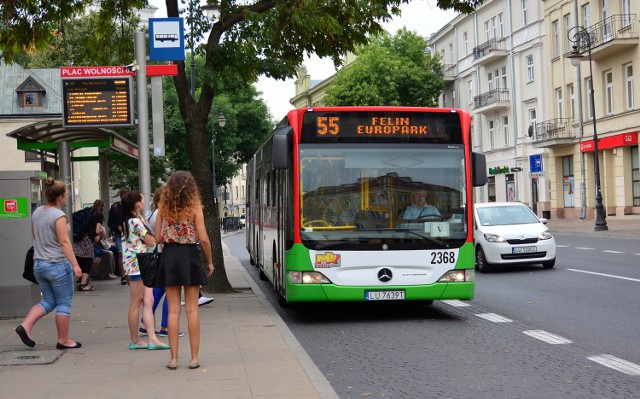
(456, 303)
(605, 275)
(617, 364)
(496, 318)
(612, 252)
(562, 246)
(547, 337)
(584, 248)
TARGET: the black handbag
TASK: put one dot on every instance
(149, 263)
(28, 267)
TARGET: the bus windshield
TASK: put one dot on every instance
(382, 196)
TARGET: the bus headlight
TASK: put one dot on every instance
(457, 276)
(308, 278)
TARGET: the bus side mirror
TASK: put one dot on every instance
(478, 169)
(281, 147)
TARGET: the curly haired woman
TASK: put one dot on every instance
(180, 227)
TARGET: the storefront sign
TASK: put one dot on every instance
(619, 140)
(14, 208)
(498, 170)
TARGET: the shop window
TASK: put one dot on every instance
(635, 176)
(568, 186)
(491, 188)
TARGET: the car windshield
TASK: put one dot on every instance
(364, 196)
(505, 215)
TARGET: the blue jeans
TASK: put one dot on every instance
(56, 284)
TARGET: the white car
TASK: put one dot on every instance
(510, 233)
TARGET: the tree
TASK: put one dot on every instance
(391, 70)
(250, 38)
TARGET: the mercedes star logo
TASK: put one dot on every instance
(384, 275)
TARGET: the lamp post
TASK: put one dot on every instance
(221, 122)
(579, 35)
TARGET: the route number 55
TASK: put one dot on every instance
(328, 124)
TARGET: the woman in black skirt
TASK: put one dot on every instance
(180, 227)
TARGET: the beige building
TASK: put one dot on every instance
(612, 29)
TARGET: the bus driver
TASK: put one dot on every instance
(419, 208)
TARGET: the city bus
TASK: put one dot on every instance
(326, 200)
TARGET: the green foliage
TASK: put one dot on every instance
(391, 70)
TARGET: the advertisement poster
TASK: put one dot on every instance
(568, 190)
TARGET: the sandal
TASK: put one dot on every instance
(86, 287)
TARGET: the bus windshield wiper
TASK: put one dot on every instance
(430, 239)
(337, 243)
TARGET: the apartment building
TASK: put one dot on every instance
(493, 63)
(609, 30)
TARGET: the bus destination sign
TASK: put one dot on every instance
(435, 127)
(97, 101)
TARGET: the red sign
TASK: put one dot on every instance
(102, 71)
(619, 140)
(10, 206)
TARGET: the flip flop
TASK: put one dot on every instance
(136, 346)
(154, 347)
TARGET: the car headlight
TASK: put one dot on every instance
(546, 235)
(493, 238)
(457, 276)
(308, 278)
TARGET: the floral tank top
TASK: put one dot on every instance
(178, 231)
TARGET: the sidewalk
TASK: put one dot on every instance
(246, 351)
(618, 226)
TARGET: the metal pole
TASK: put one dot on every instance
(601, 222)
(583, 194)
(143, 118)
(213, 160)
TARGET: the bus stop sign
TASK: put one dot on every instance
(166, 39)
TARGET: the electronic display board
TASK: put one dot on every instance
(97, 101)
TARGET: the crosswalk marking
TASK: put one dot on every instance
(496, 318)
(609, 251)
(584, 248)
(456, 303)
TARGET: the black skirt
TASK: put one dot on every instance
(181, 264)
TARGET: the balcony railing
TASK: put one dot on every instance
(449, 71)
(490, 97)
(622, 26)
(554, 129)
(488, 47)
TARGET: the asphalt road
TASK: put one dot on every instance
(529, 333)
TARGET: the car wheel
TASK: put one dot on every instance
(481, 261)
(549, 264)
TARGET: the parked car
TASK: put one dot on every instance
(243, 221)
(509, 233)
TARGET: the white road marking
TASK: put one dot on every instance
(617, 364)
(496, 318)
(563, 246)
(584, 248)
(456, 303)
(606, 275)
(547, 337)
(612, 252)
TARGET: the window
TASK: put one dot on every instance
(567, 28)
(559, 103)
(30, 99)
(586, 16)
(491, 135)
(608, 80)
(451, 52)
(532, 118)
(501, 25)
(556, 38)
(635, 175)
(496, 78)
(626, 10)
(503, 78)
(589, 86)
(605, 17)
(470, 91)
(32, 156)
(491, 188)
(465, 43)
(525, 12)
(572, 102)
(487, 30)
(628, 72)
(505, 130)
(530, 74)
(568, 187)
(494, 28)
(490, 81)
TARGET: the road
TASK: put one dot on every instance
(530, 332)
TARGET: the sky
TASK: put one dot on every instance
(420, 16)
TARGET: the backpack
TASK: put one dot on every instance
(81, 221)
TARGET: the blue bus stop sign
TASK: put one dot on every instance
(535, 163)
(166, 39)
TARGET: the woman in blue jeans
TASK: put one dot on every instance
(55, 266)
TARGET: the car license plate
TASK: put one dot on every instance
(523, 250)
(383, 295)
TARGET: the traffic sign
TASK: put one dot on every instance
(166, 39)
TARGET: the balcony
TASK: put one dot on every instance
(490, 51)
(553, 133)
(449, 72)
(614, 34)
(493, 100)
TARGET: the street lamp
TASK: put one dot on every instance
(582, 35)
(221, 122)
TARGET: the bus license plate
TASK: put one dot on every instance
(523, 250)
(383, 295)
